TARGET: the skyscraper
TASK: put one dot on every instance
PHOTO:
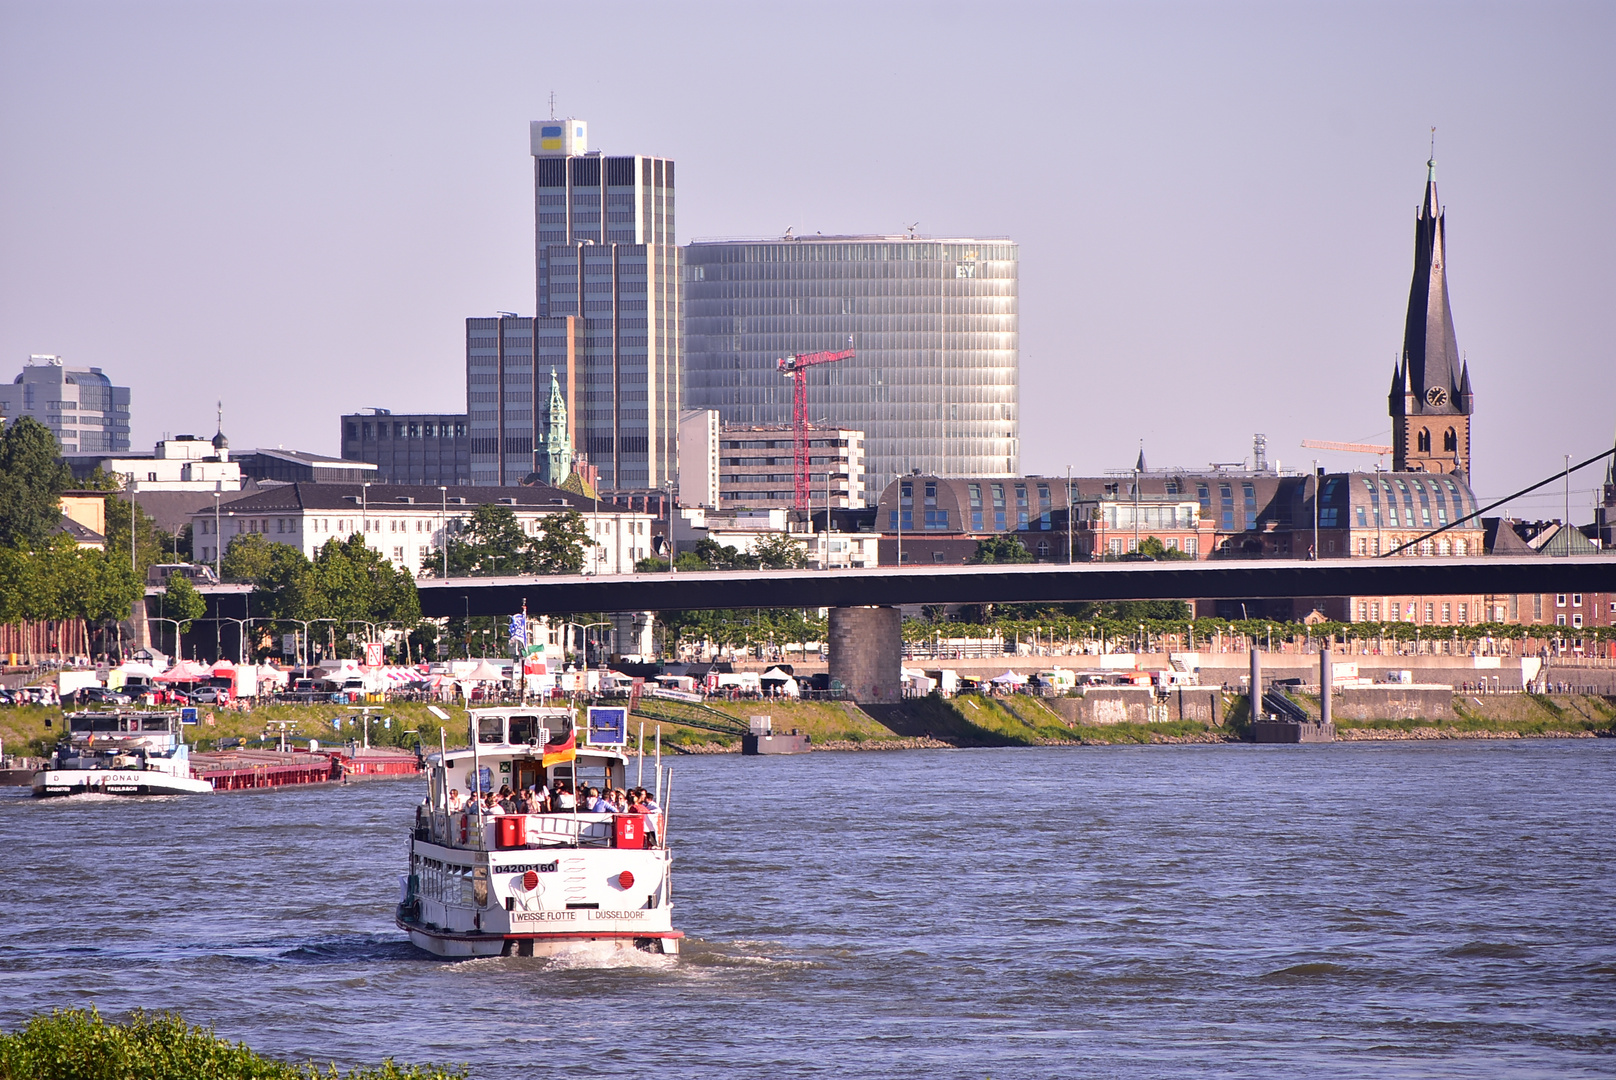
(86, 413)
(1430, 398)
(607, 299)
(935, 384)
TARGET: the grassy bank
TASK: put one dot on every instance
(79, 1044)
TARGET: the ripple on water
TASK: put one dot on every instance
(1120, 928)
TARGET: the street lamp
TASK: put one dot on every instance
(443, 522)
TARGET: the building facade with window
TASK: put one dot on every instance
(407, 524)
(935, 384)
(410, 448)
(756, 467)
(86, 413)
(607, 326)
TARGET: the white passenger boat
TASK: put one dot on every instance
(538, 884)
(120, 753)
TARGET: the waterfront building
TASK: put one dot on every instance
(409, 448)
(847, 543)
(179, 463)
(607, 325)
(86, 413)
(935, 382)
(756, 466)
(1430, 401)
(407, 523)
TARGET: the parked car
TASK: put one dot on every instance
(98, 695)
(210, 695)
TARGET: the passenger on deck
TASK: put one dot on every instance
(456, 803)
(598, 804)
(505, 800)
(521, 802)
(564, 798)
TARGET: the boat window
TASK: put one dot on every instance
(526, 728)
(151, 724)
(491, 729)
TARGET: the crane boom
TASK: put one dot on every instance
(1349, 447)
(795, 368)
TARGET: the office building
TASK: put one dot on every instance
(698, 458)
(85, 412)
(410, 448)
(607, 325)
(935, 383)
(407, 524)
(756, 465)
(283, 466)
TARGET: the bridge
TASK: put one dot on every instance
(865, 641)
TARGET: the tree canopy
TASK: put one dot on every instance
(32, 477)
(1002, 548)
(492, 542)
(182, 602)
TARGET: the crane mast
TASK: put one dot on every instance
(795, 368)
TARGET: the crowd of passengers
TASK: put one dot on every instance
(557, 798)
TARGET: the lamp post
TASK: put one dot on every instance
(673, 550)
(1315, 508)
(1068, 515)
(900, 521)
(443, 523)
(218, 565)
(176, 622)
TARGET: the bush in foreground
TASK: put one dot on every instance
(79, 1044)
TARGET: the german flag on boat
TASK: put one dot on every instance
(556, 753)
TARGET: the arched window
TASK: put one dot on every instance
(1450, 440)
(1425, 440)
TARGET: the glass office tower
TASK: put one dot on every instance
(935, 385)
(607, 327)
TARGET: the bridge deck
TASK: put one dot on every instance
(1036, 583)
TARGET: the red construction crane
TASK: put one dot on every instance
(796, 368)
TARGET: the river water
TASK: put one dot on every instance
(1393, 910)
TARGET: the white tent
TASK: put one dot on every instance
(777, 679)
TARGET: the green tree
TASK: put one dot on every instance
(182, 602)
(32, 478)
(777, 551)
(559, 546)
(351, 582)
(1152, 548)
(1002, 548)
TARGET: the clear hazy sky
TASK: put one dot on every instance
(294, 206)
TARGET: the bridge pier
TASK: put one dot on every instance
(866, 653)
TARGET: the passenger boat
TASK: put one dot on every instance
(538, 884)
(120, 753)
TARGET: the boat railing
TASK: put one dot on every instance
(461, 829)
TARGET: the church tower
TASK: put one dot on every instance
(1430, 398)
(555, 462)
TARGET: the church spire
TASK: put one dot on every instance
(1430, 399)
(1430, 348)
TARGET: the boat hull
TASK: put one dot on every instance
(56, 782)
(463, 946)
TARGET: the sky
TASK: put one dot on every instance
(293, 207)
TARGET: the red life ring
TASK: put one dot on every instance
(463, 827)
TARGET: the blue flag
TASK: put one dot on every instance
(519, 628)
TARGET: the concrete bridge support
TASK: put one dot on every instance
(866, 653)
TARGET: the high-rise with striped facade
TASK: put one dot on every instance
(607, 325)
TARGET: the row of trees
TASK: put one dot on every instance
(44, 574)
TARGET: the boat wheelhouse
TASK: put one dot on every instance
(537, 884)
(120, 753)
